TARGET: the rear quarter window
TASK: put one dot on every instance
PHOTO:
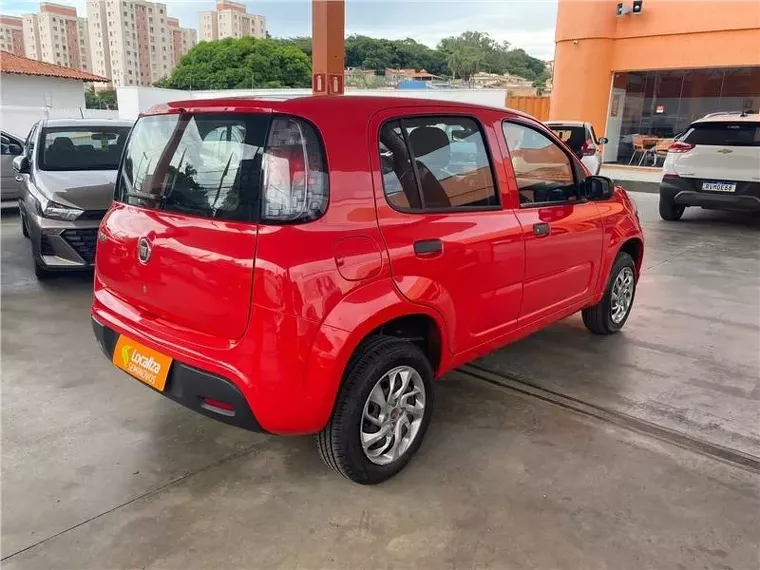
(724, 134)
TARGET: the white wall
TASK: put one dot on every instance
(36, 91)
(25, 99)
(135, 100)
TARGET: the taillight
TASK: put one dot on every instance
(678, 147)
(588, 148)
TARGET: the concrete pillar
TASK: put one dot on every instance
(585, 43)
(328, 26)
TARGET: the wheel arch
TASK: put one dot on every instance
(635, 248)
(387, 313)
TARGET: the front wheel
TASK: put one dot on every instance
(382, 411)
(610, 314)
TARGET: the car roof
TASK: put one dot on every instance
(728, 117)
(87, 123)
(366, 104)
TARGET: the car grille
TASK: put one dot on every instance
(92, 215)
(83, 242)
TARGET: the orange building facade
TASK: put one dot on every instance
(654, 72)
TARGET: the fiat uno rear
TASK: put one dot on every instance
(310, 266)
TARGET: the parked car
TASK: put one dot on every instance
(10, 188)
(275, 269)
(715, 165)
(581, 138)
(67, 175)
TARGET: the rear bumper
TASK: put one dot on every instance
(686, 192)
(189, 386)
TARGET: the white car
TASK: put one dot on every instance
(715, 165)
(581, 139)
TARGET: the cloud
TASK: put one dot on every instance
(526, 24)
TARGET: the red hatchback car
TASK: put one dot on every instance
(312, 265)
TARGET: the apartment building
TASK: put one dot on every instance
(133, 41)
(57, 35)
(12, 35)
(183, 40)
(231, 20)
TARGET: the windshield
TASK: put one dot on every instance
(82, 148)
(724, 134)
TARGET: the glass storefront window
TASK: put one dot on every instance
(648, 109)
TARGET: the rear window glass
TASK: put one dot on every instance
(82, 148)
(228, 166)
(572, 136)
(724, 134)
(203, 165)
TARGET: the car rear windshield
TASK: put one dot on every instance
(82, 148)
(238, 167)
(724, 134)
(572, 135)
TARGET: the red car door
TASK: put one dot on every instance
(452, 245)
(563, 232)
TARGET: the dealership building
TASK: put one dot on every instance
(641, 72)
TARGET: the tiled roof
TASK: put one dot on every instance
(15, 64)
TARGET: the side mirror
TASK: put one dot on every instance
(21, 164)
(599, 188)
(603, 140)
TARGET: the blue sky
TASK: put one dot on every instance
(524, 23)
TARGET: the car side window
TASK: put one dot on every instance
(9, 146)
(435, 163)
(543, 171)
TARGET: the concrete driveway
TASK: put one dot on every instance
(562, 451)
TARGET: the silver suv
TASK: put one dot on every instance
(67, 173)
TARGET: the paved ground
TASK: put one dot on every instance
(637, 451)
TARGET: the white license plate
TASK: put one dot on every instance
(719, 186)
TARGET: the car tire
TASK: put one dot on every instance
(24, 230)
(371, 368)
(40, 272)
(606, 317)
(669, 210)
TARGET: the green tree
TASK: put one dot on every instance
(100, 100)
(540, 86)
(471, 52)
(241, 63)
(108, 99)
(91, 100)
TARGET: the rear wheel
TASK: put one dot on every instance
(610, 314)
(382, 411)
(669, 210)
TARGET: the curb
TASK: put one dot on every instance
(639, 186)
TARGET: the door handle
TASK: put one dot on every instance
(541, 230)
(19, 178)
(428, 247)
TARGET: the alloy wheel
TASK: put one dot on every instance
(392, 415)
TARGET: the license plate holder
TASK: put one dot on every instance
(715, 186)
(147, 365)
